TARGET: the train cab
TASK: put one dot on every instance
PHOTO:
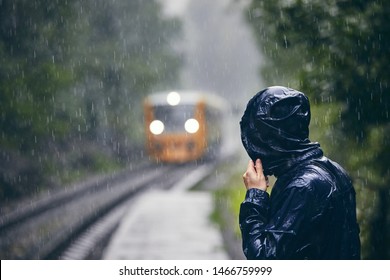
(183, 126)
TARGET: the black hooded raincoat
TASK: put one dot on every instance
(311, 212)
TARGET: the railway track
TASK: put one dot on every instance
(70, 224)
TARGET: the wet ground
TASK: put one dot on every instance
(168, 225)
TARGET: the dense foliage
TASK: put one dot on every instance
(72, 77)
(337, 51)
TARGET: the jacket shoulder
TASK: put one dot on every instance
(311, 177)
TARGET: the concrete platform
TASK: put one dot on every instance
(169, 225)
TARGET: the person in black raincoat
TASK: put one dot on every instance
(311, 212)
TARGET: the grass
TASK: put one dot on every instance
(227, 200)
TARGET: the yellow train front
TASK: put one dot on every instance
(183, 126)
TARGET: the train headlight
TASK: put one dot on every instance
(173, 98)
(156, 127)
(191, 125)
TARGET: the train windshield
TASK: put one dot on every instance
(174, 117)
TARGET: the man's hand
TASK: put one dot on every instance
(254, 176)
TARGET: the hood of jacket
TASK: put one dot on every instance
(275, 128)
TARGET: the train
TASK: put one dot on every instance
(184, 126)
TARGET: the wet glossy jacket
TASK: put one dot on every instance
(311, 212)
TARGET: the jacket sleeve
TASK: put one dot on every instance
(275, 235)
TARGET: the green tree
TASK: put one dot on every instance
(33, 71)
(337, 52)
(72, 77)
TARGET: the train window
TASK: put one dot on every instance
(174, 117)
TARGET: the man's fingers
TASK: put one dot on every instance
(259, 166)
(254, 176)
(251, 166)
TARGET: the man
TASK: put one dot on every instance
(311, 212)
